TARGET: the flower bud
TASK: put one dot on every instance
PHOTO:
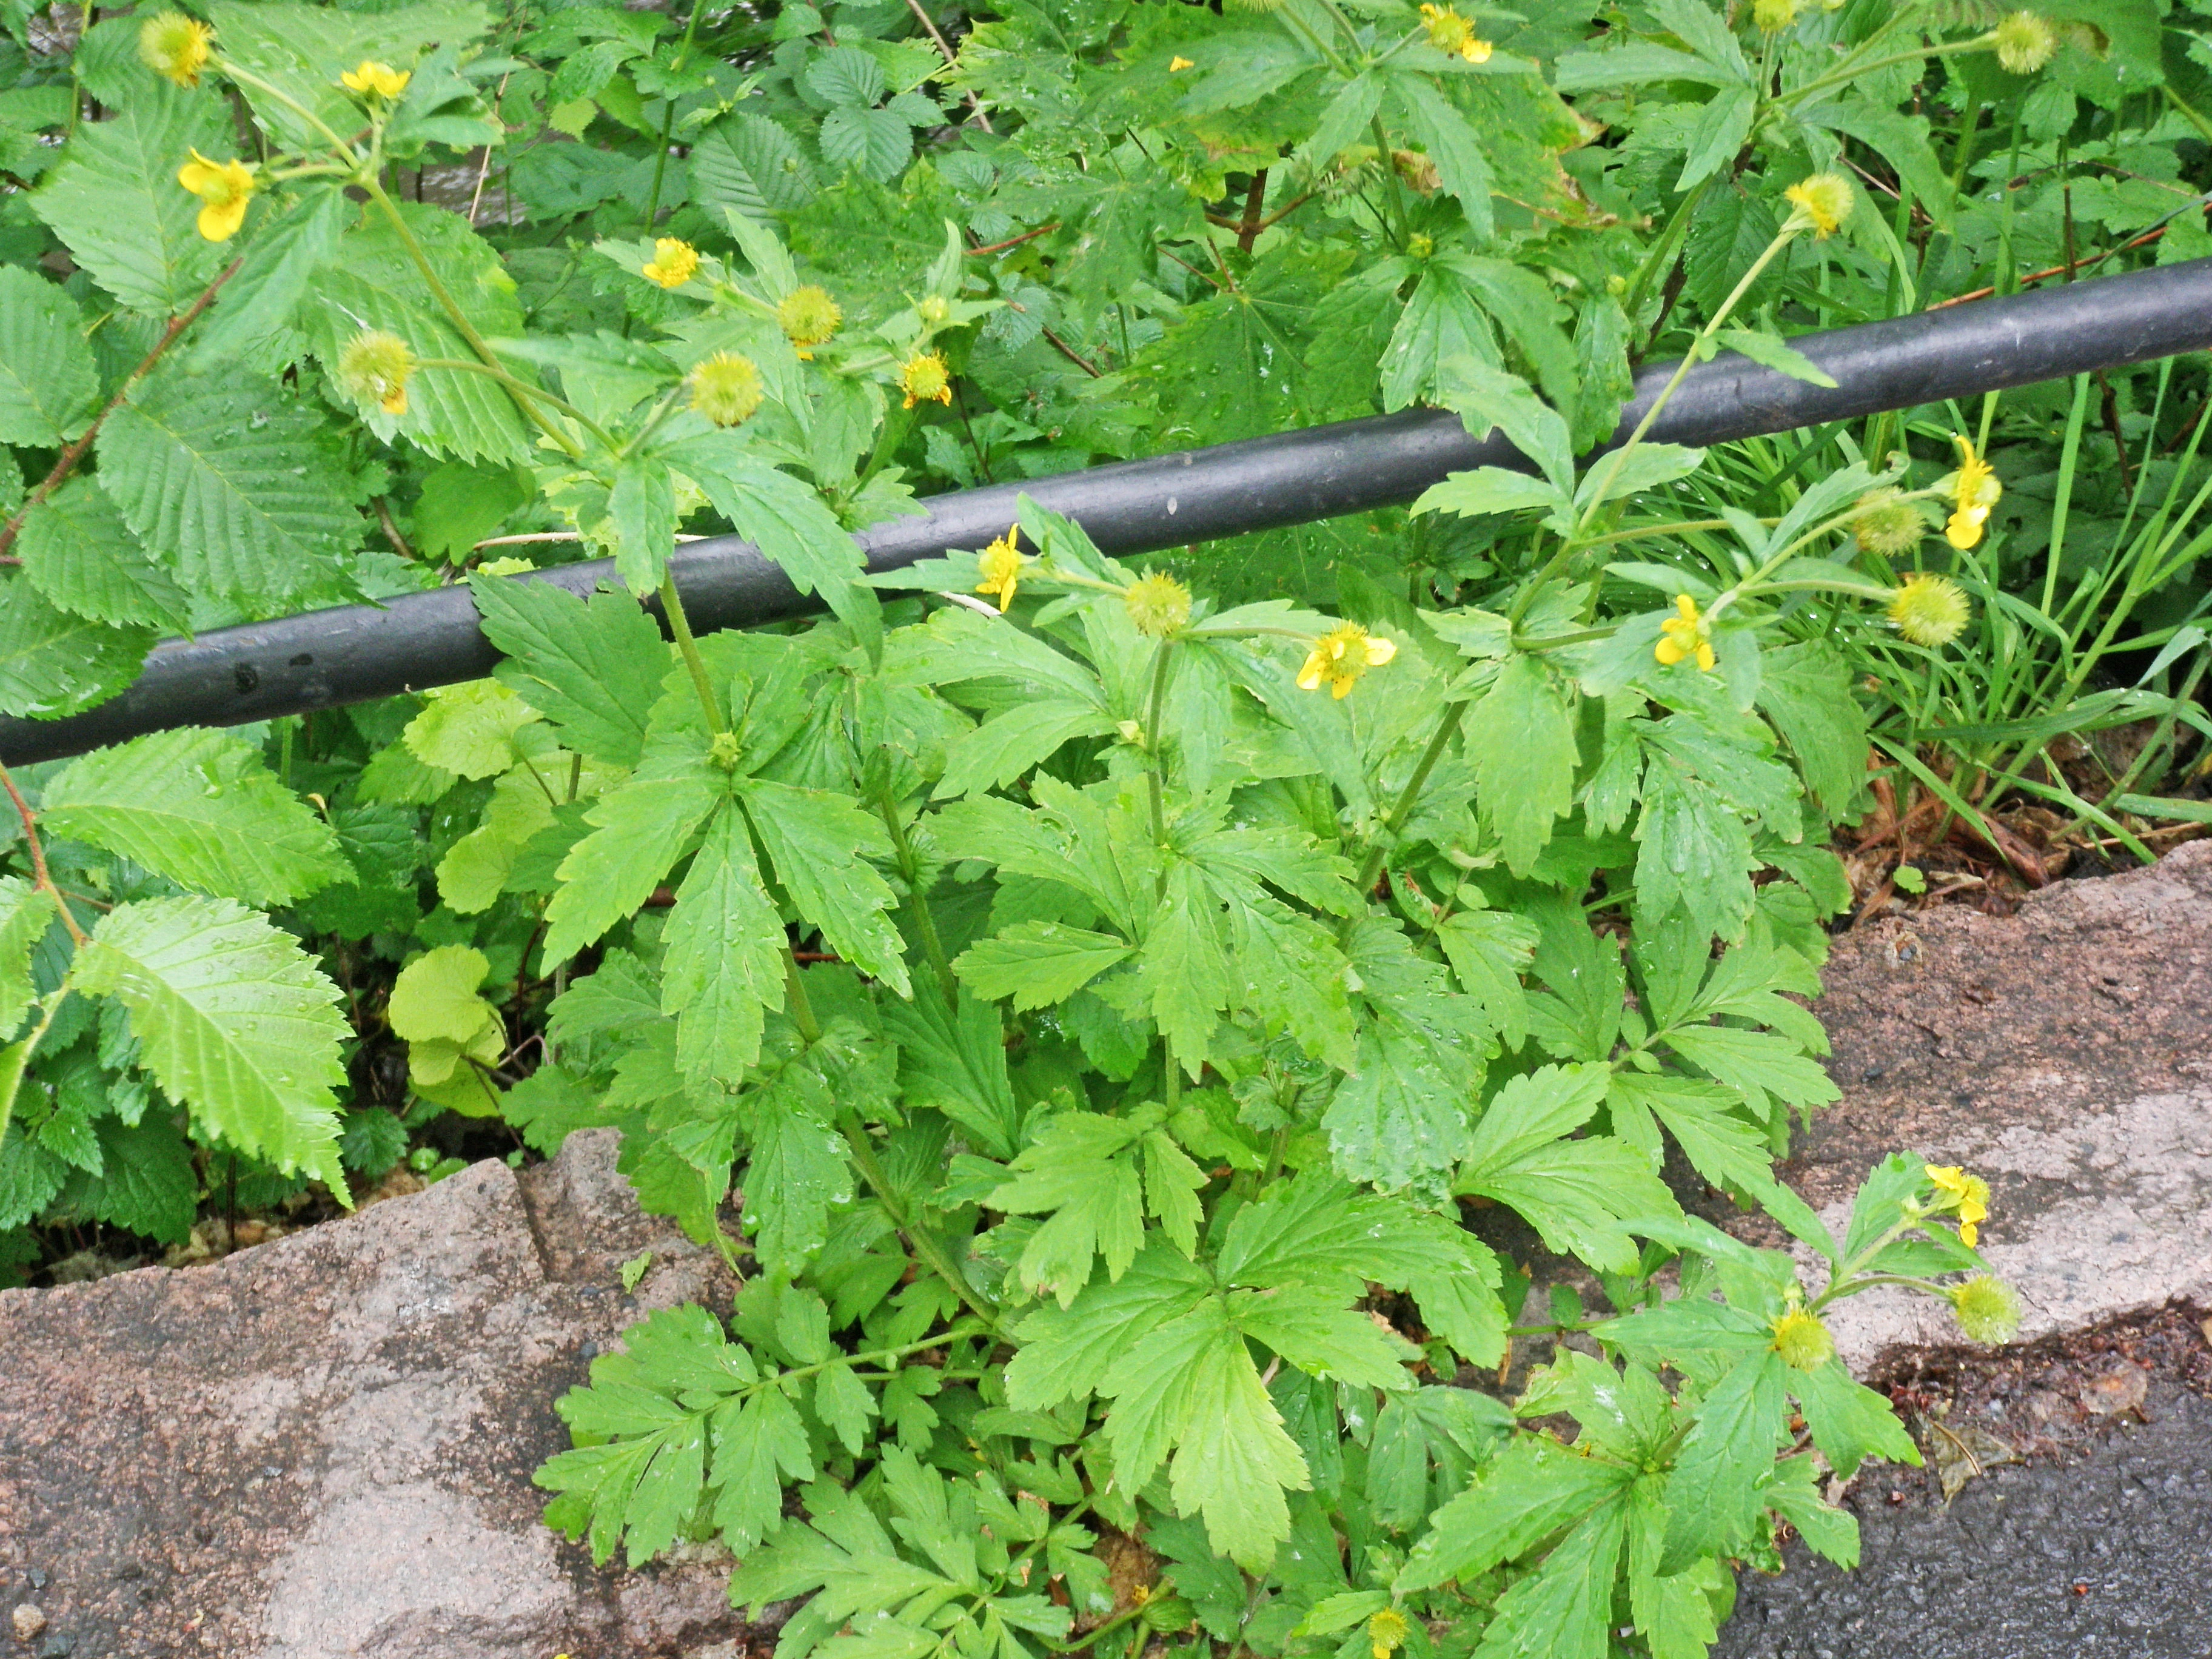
(175, 46)
(808, 317)
(2025, 43)
(1987, 1309)
(1887, 524)
(1930, 611)
(726, 388)
(374, 367)
(1158, 604)
(1802, 1340)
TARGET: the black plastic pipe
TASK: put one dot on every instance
(324, 658)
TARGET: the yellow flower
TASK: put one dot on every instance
(726, 388)
(1772, 16)
(225, 187)
(924, 377)
(1974, 490)
(1177, 65)
(1449, 32)
(1970, 1195)
(1802, 1340)
(1341, 656)
(1929, 610)
(808, 317)
(1823, 203)
(2025, 43)
(1000, 565)
(374, 367)
(674, 263)
(175, 46)
(1158, 603)
(1386, 1632)
(375, 79)
(1684, 634)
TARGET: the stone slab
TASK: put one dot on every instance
(321, 1448)
(2064, 1054)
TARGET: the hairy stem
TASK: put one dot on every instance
(1372, 870)
(671, 606)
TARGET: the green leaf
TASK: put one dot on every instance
(1806, 690)
(1722, 128)
(1564, 1609)
(373, 283)
(114, 199)
(593, 668)
(1191, 1388)
(146, 1183)
(469, 729)
(1451, 144)
(47, 377)
(1488, 489)
(1849, 1423)
(255, 306)
(797, 1170)
(748, 162)
(1313, 1329)
(816, 840)
(25, 913)
(1712, 1492)
(1489, 951)
(779, 515)
(1075, 1170)
(1521, 739)
(1038, 963)
(435, 996)
(639, 832)
(1794, 1490)
(233, 1019)
(724, 967)
(54, 665)
(475, 868)
(1645, 467)
(77, 552)
(199, 807)
(1776, 353)
(1534, 1489)
(235, 485)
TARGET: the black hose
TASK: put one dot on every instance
(325, 658)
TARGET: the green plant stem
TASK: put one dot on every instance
(668, 119)
(522, 392)
(679, 625)
(41, 876)
(246, 77)
(1852, 71)
(918, 1239)
(799, 1004)
(1156, 791)
(1397, 186)
(1370, 869)
(925, 921)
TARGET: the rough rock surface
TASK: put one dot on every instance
(2064, 1054)
(323, 1447)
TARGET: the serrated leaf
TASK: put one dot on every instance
(1038, 963)
(779, 515)
(54, 665)
(25, 913)
(372, 282)
(639, 832)
(258, 304)
(815, 838)
(724, 967)
(77, 551)
(1534, 1489)
(145, 1183)
(47, 377)
(593, 668)
(234, 484)
(233, 1019)
(748, 162)
(114, 201)
(1710, 1492)
(468, 729)
(199, 807)
(1774, 352)
(1314, 1331)
(1488, 489)
(1489, 951)
(301, 51)
(1521, 739)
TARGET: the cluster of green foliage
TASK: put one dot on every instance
(1079, 1005)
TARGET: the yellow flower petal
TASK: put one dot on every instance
(1177, 65)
